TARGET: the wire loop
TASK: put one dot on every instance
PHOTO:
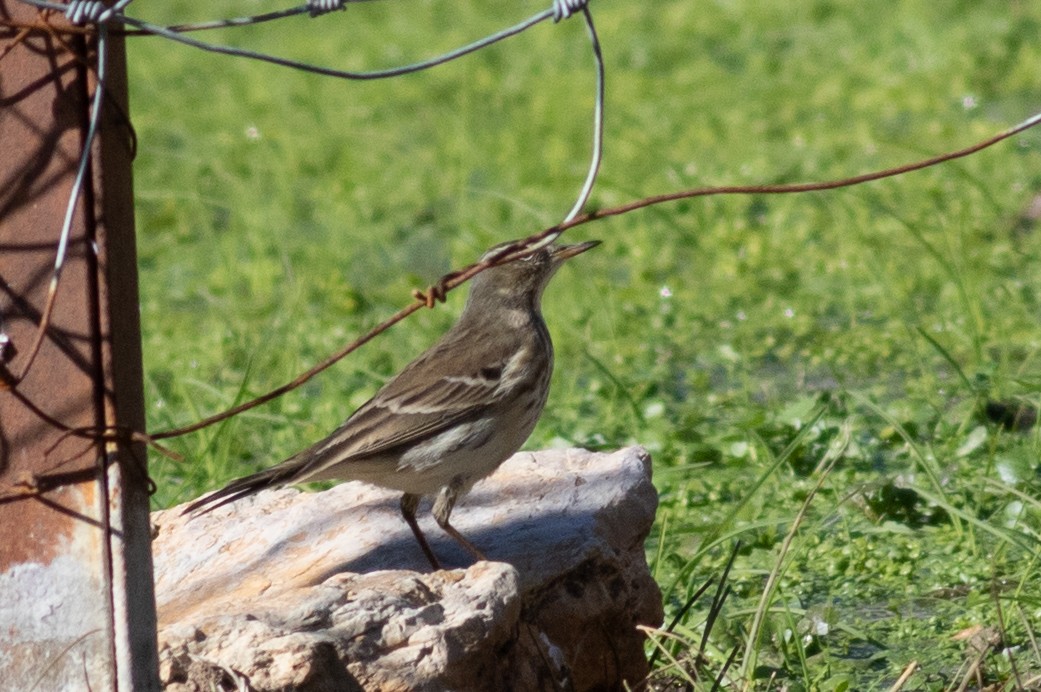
(562, 9)
(81, 12)
(317, 8)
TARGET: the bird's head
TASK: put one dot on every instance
(520, 283)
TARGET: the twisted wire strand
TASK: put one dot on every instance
(332, 72)
(228, 23)
(314, 8)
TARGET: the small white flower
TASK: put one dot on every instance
(252, 133)
(789, 313)
(665, 292)
(968, 102)
(655, 409)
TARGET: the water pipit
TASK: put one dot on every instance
(454, 414)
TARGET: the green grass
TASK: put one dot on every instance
(281, 214)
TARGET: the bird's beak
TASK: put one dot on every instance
(566, 252)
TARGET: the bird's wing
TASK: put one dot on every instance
(436, 391)
(447, 384)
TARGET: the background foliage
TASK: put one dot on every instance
(281, 214)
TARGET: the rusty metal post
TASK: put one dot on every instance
(76, 597)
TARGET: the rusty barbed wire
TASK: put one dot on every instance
(438, 291)
(520, 248)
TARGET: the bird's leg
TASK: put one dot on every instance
(409, 503)
(442, 509)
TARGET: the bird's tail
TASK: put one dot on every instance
(241, 487)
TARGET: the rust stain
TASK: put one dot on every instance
(39, 126)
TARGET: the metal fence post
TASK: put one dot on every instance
(77, 605)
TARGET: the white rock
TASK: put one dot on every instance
(329, 590)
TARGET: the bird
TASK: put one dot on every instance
(453, 414)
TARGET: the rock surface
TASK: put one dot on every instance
(329, 591)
